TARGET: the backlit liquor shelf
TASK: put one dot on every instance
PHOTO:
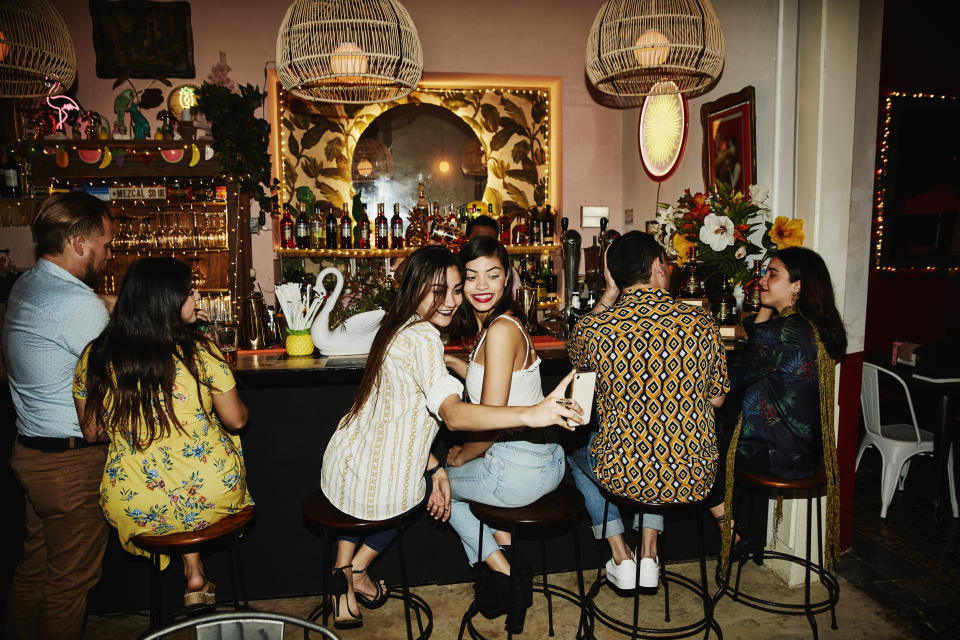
(523, 250)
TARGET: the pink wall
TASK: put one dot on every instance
(534, 37)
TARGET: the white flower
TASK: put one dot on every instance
(664, 215)
(741, 253)
(717, 232)
(759, 194)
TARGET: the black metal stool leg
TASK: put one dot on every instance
(406, 585)
(580, 587)
(546, 586)
(156, 592)
(833, 606)
(806, 582)
(234, 579)
(666, 583)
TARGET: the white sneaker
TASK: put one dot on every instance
(649, 573)
(624, 575)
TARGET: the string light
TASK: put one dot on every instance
(880, 184)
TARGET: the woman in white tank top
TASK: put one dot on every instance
(501, 468)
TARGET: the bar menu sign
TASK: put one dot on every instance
(138, 193)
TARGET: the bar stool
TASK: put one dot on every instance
(705, 624)
(232, 525)
(815, 484)
(561, 506)
(320, 514)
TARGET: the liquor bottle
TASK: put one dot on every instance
(504, 222)
(11, 175)
(751, 299)
(725, 305)
(422, 207)
(435, 218)
(381, 229)
(550, 277)
(540, 281)
(317, 228)
(536, 229)
(332, 227)
(396, 228)
(363, 240)
(346, 228)
(287, 239)
(452, 220)
(690, 286)
(521, 231)
(525, 279)
(302, 230)
(547, 226)
(463, 220)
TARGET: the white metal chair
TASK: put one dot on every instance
(897, 443)
(239, 625)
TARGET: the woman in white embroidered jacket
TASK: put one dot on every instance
(376, 464)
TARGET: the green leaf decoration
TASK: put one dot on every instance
(520, 151)
(331, 172)
(293, 146)
(310, 166)
(331, 195)
(512, 209)
(492, 196)
(334, 149)
(515, 112)
(522, 174)
(353, 109)
(501, 138)
(315, 133)
(519, 197)
(489, 117)
(496, 168)
(538, 111)
(454, 103)
(540, 192)
(477, 129)
(287, 124)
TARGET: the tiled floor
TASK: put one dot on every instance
(909, 563)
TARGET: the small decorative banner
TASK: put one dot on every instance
(138, 193)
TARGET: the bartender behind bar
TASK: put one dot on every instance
(52, 314)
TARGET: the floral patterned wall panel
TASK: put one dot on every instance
(317, 141)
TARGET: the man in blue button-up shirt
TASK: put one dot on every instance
(52, 314)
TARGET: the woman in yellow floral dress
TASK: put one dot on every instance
(160, 391)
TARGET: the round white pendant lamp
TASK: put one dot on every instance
(36, 51)
(662, 131)
(348, 51)
(636, 44)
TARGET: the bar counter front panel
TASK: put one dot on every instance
(295, 405)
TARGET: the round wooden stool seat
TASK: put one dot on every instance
(318, 511)
(560, 505)
(818, 479)
(224, 526)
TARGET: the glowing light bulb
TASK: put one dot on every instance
(348, 61)
(444, 166)
(652, 48)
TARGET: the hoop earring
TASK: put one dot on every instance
(794, 297)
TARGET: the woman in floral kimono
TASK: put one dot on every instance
(786, 377)
(163, 396)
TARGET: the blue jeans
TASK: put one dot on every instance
(581, 468)
(512, 473)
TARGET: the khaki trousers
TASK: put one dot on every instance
(66, 537)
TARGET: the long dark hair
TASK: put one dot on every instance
(132, 365)
(464, 320)
(424, 272)
(816, 301)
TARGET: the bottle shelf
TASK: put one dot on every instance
(539, 249)
(168, 252)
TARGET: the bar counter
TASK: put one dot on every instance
(295, 405)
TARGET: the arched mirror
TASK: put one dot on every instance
(413, 143)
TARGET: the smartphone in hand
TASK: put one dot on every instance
(581, 391)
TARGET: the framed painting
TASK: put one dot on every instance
(729, 140)
(142, 39)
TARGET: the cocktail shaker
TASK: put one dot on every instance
(253, 322)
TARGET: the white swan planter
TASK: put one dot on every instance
(354, 336)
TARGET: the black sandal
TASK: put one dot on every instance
(376, 601)
(339, 589)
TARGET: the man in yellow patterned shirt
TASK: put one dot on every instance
(661, 370)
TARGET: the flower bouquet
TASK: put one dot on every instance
(720, 224)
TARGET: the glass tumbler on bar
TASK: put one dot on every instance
(227, 341)
(527, 300)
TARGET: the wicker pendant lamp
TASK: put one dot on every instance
(350, 51)
(36, 50)
(636, 44)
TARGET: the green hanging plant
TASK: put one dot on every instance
(240, 139)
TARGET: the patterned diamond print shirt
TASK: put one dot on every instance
(658, 364)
